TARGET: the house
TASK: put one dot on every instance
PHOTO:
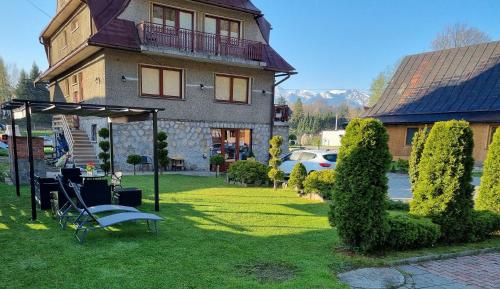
(208, 63)
(458, 83)
(332, 138)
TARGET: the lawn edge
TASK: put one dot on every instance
(443, 256)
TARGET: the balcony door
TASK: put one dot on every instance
(232, 144)
(175, 26)
(225, 34)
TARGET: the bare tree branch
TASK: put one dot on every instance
(459, 35)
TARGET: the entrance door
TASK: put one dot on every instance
(232, 144)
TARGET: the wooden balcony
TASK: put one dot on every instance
(281, 113)
(157, 35)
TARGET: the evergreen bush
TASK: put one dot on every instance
(163, 159)
(104, 145)
(489, 191)
(360, 190)
(417, 147)
(321, 183)
(297, 177)
(406, 232)
(393, 205)
(443, 190)
(484, 225)
(275, 174)
(134, 160)
(248, 172)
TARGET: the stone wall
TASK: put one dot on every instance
(189, 140)
(22, 158)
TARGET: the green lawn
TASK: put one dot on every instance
(214, 236)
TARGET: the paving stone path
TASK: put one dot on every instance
(468, 272)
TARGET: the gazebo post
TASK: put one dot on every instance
(14, 144)
(111, 149)
(31, 162)
(155, 160)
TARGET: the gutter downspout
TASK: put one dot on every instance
(287, 76)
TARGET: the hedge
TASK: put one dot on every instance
(406, 232)
(443, 190)
(320, 182)
(417, 147)
(489, 191)
(297, 177)
(248, 172)
(484, 224)
(357, 209)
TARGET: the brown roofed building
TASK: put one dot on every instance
(208, 63)
(458, 83)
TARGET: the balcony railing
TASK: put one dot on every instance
(281, 113)
(158, 35)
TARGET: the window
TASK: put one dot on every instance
(168, 16)
(233, 144)
(160, 81)
(93, 133)
(222, 27)
(231, 88)
(410, 132)
(307, 156)
(492, 133)
(330, 157)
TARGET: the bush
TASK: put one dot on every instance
(321, 183)
(406, 232)
(297, 177)
(103, 133)
(393, 205)
(360, 189)
(443, 190)
(483, 225)
(399, 166)
(248, 172)
(417, 147)
(134, 160)
(489, 191)
(163, 159)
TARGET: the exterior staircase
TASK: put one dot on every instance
(79, 143)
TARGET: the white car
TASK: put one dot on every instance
(313, 160)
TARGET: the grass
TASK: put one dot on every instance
(214, 236)
(4, 152)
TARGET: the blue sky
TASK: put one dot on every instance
(332, 43)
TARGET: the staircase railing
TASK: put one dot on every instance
(67, 133)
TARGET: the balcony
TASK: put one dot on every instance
(281, 113)
(190, 41)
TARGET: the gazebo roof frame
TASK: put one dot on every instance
(120, 114)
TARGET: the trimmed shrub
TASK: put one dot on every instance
(217, 161)
(489, 191)
(406, 232)
(417, 147)
(275, 174)
(320, 182)
(104, 145)
(393, 205)
(134, 160)
(163, 159)
(443, 190)
(484, 225)
(360, 189)
(248, 172)
(297, 177)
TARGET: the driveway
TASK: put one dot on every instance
(399, 186)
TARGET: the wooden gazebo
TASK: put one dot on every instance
(21, 108)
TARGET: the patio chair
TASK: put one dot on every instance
(63, 213)
(91, 222)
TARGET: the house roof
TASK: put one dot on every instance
(458, 83)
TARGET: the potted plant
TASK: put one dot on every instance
(89, 168)
(217, 161)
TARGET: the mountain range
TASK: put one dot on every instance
(333, 97)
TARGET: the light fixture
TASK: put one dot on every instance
(202, 87)
(124, 79)
(263, 91)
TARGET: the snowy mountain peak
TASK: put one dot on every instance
(333, 97)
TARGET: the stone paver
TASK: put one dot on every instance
(468, 272)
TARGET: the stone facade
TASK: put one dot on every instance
(189, 140)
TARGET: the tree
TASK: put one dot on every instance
(443, 190)
(162, 150)
(281, 100)
(417, 147)
(489, 191)
(297, 113)
(379, 83)
(5, 85)
(134, 160)
(358, 207)
(104, 146)
(275, 174)
(459, 35)
(217, 160)
(297, 177)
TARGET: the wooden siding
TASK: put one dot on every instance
(399, 149)
(69, 38)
